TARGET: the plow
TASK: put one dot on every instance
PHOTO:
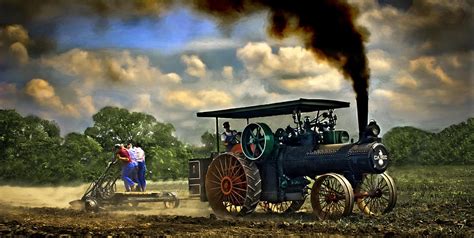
(103, 192)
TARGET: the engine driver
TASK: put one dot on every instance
(229, 137)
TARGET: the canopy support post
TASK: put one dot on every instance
(217, 134)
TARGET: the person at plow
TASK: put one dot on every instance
(141, 167)
(127, 167)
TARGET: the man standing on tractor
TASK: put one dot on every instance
(230, 137)
(127, 166)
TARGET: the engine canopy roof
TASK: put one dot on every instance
(274, 109)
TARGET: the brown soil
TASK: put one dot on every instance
(46, 215)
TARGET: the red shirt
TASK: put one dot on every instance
(124, 153)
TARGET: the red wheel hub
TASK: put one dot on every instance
(226, 185)
(332, 197)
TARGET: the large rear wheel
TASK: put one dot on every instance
(233, 185)
(332, 196)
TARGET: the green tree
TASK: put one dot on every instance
(166, 156)
(208, 141)
(453, 145)
(29, 148)
(82, 158)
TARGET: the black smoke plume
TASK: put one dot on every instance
(327, 28)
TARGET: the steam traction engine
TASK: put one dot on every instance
(275, 168)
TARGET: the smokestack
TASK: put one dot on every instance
(362, 113)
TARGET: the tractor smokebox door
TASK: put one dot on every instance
(257, 141)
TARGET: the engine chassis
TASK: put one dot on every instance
(293, 163)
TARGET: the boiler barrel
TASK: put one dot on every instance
(353, 158)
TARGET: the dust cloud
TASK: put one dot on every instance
(40, 196)
(59, 197)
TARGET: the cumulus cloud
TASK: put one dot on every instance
(20, 52)
(290, 69)
(45, 95)
(228, 72)
(198, 100)
(325, 82)
(398, 101)
(142, 103)
(111, 69)
(380, 62)
(428, 65)
(13, 45)
(195, 66)
(87, 103)
(258, 58)
(15, 33)
(406, 80)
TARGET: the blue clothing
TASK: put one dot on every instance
(141, 176)
(133, 155)
(127, 170)
(229, 138)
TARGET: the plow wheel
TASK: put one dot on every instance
(233, 185)
(286, 207)
(376, 194)
(107, 185)
(107, 190)
(172, 203)
(332, 196)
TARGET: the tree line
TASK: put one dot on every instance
(32, 150)
(412, 146)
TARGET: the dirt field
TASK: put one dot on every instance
(433, 201)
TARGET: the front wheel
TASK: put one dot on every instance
(376, 194)
(332, 196)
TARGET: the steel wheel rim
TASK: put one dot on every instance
(169, 204)
(378, 194)
(332, 197)
(226, 184)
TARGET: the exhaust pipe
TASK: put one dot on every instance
(362, 113)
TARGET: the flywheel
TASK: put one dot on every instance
(257, 141)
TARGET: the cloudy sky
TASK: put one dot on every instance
(65, 60)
